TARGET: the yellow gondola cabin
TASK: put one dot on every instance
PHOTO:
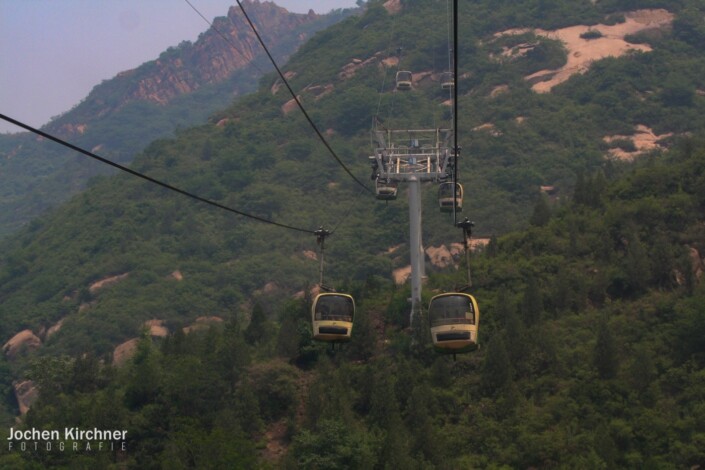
(447, 81)
(445, 197)
(404, 79)
(332, 317)
(454, 318)
(386, 190)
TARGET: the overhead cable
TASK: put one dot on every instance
(149, 178)
(345, 216)
(298, 102)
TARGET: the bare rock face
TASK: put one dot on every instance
(22, 341)
(26, 394)
(123, 352)
(401, 275)
(440, 257)
(584, 51)
(392, 6)
(203, 322)
(290, 106)
(108, 281)
(54, 328)
(156, 328)
(349, 70)
(696, 263)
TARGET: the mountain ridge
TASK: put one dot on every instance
(229, 44)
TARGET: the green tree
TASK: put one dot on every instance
(496, 370)
(334, 445)
(637, 265)
(542, 212)
(605, 357)
(363, 343)
(145, 376)
(258, 328)
(532, 304)
(424, 438)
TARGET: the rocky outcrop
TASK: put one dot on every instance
(392, 6)
(697, 265)
(288, 75)
(400, 275)
(202, 323)
(349, 70)
(488, 127)
(440, 256)
(290, 106)
(26, 394)
(587, 44)
(23, 341)
(643, 140)
(54, 328)
(212, 59)
(108, 281)
(123, 352)
(319, 91)
(156, 328)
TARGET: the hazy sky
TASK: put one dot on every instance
(53, 52)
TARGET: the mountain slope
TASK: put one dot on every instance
(261, 160)
(257, 157)
(592, 356)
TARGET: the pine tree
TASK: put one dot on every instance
(256, 331)
(637, 266)
(532, 303)
(419, 422)
(542, 212)
(496, 371)
(580, 196)
(605, 352)
(516, 341)
(364, 338)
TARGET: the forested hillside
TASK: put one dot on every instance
(592, 357)
(591, 335)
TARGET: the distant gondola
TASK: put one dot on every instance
(445, 197)
(454, 318)
(447, 80)
(332, 317)
(386, 190)
(404, 79)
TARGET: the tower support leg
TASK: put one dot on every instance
(415, 247)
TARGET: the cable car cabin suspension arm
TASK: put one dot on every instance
(467, 226)
(321, 235)
(456, 149)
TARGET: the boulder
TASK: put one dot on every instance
(26, 394)
(203, 322)
(22, 341)
(156, 328)
(123, 352)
